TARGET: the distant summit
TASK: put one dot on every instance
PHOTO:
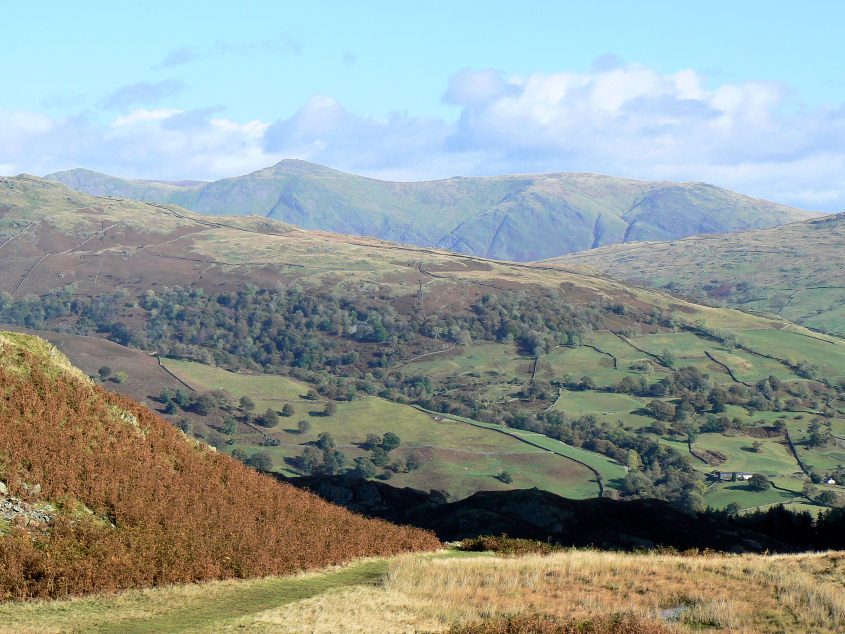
(516, 217)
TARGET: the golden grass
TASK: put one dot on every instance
(748, 593)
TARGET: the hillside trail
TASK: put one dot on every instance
(234, 602)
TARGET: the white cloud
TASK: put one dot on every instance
(616, 118)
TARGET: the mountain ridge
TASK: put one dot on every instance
(509, 217)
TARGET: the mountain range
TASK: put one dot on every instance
(513, 217)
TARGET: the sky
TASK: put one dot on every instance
(745, 95)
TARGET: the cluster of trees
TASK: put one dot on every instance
(324, 457)
(654, 469)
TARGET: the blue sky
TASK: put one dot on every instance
(748, 95)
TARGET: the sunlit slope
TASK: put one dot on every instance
(796, 271)
(517, 217)
(99, 493)
(52, 237)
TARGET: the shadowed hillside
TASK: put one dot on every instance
(98, 493)
(522, 217)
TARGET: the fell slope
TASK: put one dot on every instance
(796, 271)
(517, 217)
(553, 357)
(105, 495)
(53, 238)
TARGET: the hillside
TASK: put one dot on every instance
(99, 494)
(521, 218)
(301, 351)
(796, 271)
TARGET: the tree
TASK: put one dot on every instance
(247, 404)
(372, 441)
(414, 461)
(262, 461)
(364, 468)
(330, 409)
(288, 410)
(818, 437)
(390, 441)
(732, 509)
(310, 459)
(181, 397)
(379, 456)
(104, 372)
(303, 426)
(829, 498)
(269, 418)
(759, 482)
(668, 358)
(240, 454)
(120, 377)
(661, 410)
(505, 476)
(216, 439)
(230, 425)
(325, 441)
(204, 404)
(333, 461)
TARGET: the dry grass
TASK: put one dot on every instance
(749, 593)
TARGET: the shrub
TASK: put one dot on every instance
(507, 545)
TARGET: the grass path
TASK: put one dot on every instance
(181, 608)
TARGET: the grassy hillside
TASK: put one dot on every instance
(99, 493)
(606, 375)
(521, 218)
(612, 592)
(796, 271)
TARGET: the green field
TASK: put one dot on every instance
(796, 348)
(723, 493)
(458, 458)
(461, 458)
(261, 387)
(773, 458)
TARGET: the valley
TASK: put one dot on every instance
(495, 375)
